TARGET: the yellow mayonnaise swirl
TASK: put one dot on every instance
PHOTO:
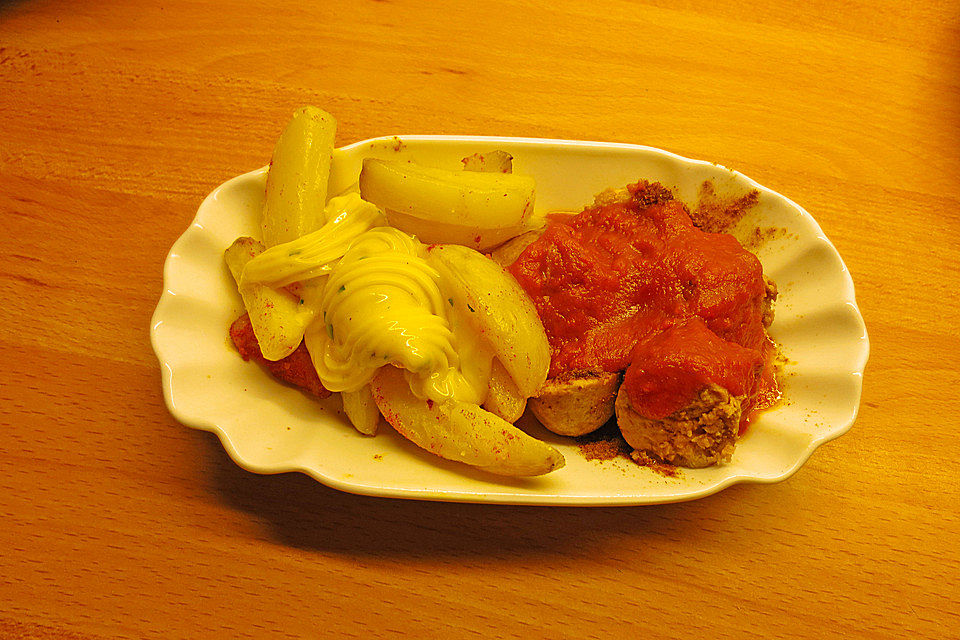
(383, 305)
(316, 253)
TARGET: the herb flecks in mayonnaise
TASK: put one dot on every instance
(383, 305)
(315, 254)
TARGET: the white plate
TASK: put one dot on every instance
(267, 427)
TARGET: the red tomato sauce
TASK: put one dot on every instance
(634, 286)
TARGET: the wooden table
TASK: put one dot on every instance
(116, 118)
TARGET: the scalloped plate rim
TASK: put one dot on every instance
(168, 373)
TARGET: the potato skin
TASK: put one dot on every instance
(500, 310)
(503, 397)
(461, 198)
(461, 431)
(576, 403)
(274, 313)
(297, 180)
(362, 410)
(702, 434)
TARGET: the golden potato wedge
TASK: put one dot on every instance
(503, 397)
(501, 310)
(576, 403)
(498, 161)
(461, 431)
(701, 434)
(296, 189)
(362, 410)
(463, 198)
(276, 315)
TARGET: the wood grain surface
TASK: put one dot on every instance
(116, 118)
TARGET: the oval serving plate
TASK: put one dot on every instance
(267, 427)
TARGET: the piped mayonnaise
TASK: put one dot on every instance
(315, 254)
(383, 304)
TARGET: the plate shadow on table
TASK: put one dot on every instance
(10, 5)
(302, 513)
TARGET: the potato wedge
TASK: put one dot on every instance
(490, 162)
(316, 253)
(507, 253)
(503, 397)
(432, 232)
(297, 181)
(503, 313)
(462, 198)
(461, 431)
(362, 410)
(275, 314)
(577, 403)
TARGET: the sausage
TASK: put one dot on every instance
(296, 369)
(576, 403)
(701, 434)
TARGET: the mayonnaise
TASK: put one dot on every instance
(315, 254)
(383, 305)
